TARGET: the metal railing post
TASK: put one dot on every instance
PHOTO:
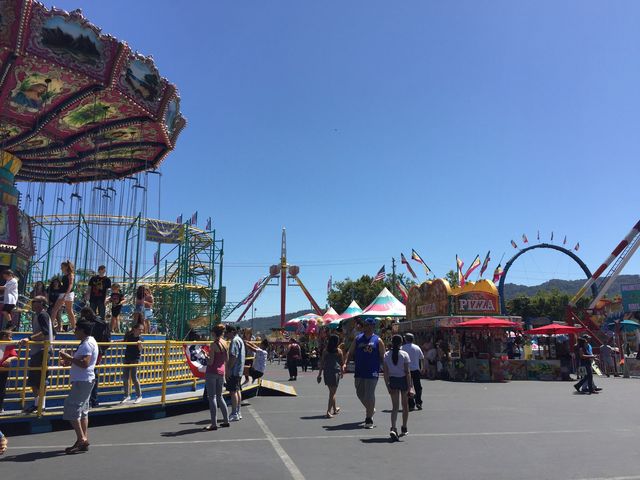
(43, 376)
(23, 394)
(165, 369)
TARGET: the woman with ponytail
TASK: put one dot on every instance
(398, 380)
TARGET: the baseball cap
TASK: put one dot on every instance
(370, 320)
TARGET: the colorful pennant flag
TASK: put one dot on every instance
(497, 273)
(459, 265)
(564, 242)
(418, 258)
(514, 244)
(552, 236)
(406, 263)
(329, 283)
(194, 219)
(475, 264)
(485, 264)
(179, 219)
(524, 238)
(403, 290)
(208, 227)
(380, 276)
(538, 235)
(577, 247)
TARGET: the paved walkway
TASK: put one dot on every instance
(518, 430)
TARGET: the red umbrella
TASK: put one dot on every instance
(554, 329)
(488, 322)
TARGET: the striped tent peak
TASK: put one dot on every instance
(307, 317)
(352, 310)
(385, 304)
(330, 315)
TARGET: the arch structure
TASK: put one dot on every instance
(569, 253)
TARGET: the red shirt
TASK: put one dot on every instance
(9, 351)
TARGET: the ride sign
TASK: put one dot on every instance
(631, 297)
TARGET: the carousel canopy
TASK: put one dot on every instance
(385, 305)
(353, 310)
(78, 105)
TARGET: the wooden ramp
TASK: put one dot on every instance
(268, 388)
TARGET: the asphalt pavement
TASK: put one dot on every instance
(517, 430)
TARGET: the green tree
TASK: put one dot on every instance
(452, 278)
(361, 290)
(550, 304)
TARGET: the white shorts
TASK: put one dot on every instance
(67, 297)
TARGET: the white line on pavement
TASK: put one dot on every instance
(143, 444)
(632, 477)
(295, 472)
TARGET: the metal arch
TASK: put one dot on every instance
(578, 260)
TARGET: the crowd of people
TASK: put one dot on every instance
(60, 293)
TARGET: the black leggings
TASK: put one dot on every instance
(3, 387)
(293, 368)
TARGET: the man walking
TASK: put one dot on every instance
(235, 371)
(98, 286)
(416, 366)
(367, 350)
(42, 331)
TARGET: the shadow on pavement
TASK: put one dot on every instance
(199, 422)
(33, 456)
(179, 433)
(376, 440)
(343, 426)
(314, 417)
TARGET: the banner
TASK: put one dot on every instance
(196, 356)
(163, 232)
(631, 297)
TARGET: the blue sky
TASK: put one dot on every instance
(368, 128)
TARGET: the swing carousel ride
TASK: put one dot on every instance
(85, 125)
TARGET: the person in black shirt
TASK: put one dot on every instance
(97, 292)
(117, 300)
(132, 354)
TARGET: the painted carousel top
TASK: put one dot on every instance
(77, 105)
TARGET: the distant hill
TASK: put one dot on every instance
(570, 287)
(265, 324)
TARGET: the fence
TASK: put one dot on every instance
(162, 363)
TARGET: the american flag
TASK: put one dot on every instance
(380, 276)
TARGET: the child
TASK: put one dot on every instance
(397, 377)
(10, 290)
(132, 355)
(8, 354)
(117, 300)
(66, 297)
(259, 365)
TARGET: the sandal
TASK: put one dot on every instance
(84, 446)
(328, 415)
(75, 448)
(336, 411)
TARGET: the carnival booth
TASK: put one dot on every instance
(463, 334)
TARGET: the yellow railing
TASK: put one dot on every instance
(162, 362)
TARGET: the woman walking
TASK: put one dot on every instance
(330, 365)
(66, 296)
(398, 380)
(214, 377)
(132, 354)
(294, 354)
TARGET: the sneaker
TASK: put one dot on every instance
(393, 433)
(224, 425)
(125, 399)
(419, 407)
(368, 423)
(233, 418)
(598, 389)
(577, 388)
(239, 415)
(32, 409)
(137, 400)
(404, 432)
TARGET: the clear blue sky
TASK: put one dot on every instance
(371, 127)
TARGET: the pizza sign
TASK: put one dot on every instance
(480, 303)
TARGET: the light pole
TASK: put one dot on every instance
(253, 311)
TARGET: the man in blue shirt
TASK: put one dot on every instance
(367, 351)
(235, 369)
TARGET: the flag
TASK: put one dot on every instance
(524, 238)
(179, 219)
(329, 283)
(418, 258)
(564, 242)
(405, 262)
(380, 276)
(538, 235)
(577, 247)
(514, 244)
(552, 236)
(194, 218)
(475, 264)
(459, 265)
(485, 264)
(497, 273)
(403, 290)
(156, 258)
(208, 227)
